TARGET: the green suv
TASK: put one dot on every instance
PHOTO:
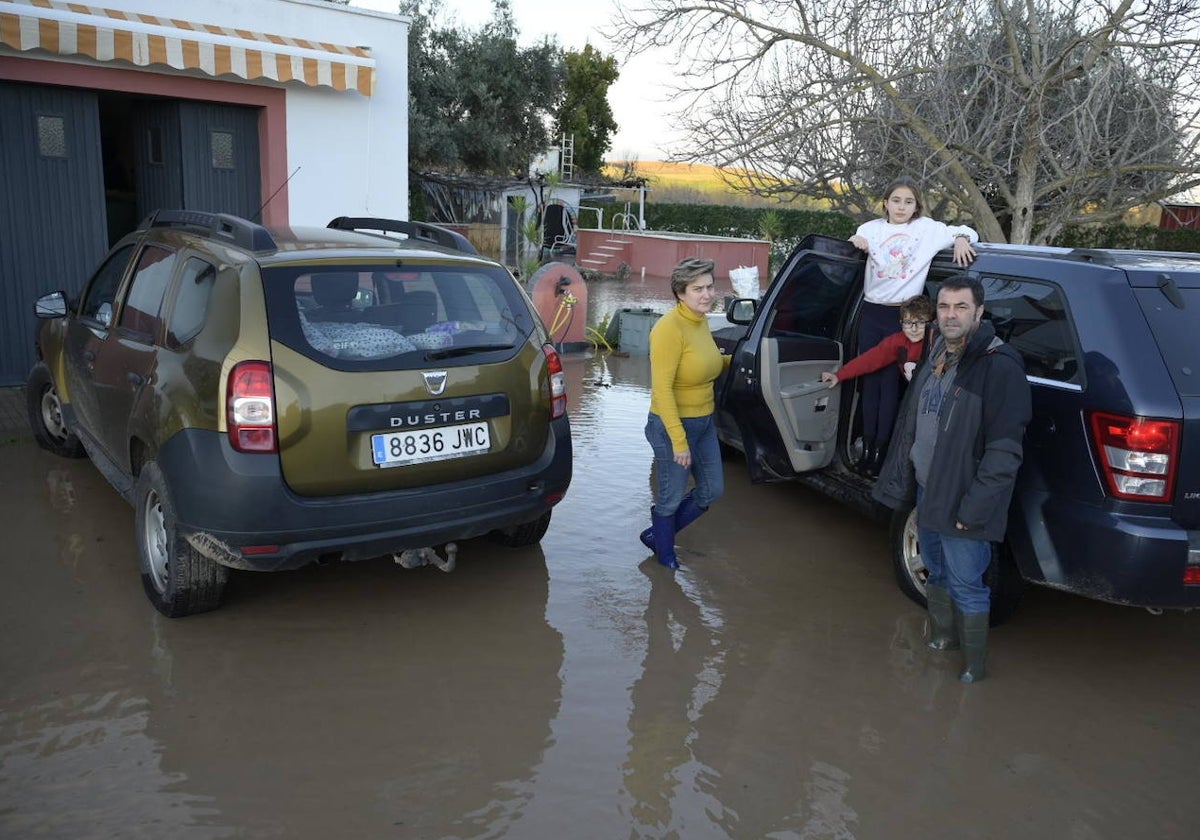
(271, 397)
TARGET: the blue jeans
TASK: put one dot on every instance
(956, 564)
(706, 466)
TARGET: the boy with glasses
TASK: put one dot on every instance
(903, 349)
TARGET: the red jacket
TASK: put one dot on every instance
(895, 349)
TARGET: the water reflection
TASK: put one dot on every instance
(606, 297)
(349, 701)
(680, 673)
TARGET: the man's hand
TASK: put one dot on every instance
(829, 379)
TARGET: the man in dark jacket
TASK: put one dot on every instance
(956, 450)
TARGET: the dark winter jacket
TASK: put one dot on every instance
(981, 425)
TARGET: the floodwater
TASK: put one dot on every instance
(776, 687)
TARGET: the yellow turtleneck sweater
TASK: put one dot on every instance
(684, 362)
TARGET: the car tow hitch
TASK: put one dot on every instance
(414, 558)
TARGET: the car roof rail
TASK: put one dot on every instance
(239, 231)
(1092, 255)
(414, 230)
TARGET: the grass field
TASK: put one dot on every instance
(688, 182)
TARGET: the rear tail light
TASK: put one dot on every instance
(1137, 455)
(558, 383)
(250, 408)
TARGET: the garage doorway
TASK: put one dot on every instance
(82, 167)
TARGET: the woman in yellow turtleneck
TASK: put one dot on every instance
(684, 363)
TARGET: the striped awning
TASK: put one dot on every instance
(112, 35)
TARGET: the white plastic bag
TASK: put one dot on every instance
(745, 281)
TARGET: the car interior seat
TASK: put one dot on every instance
(334, 294)
(418, 310)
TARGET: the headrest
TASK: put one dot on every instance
(335, 290)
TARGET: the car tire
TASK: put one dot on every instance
(46, 416)
(525, 534)
(178, 579)
(1002, 575)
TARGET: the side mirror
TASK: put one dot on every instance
(741, 311)
(53, 305)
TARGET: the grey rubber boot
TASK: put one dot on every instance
(942, 632)
(973, 633)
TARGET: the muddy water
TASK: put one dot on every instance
(775, 687)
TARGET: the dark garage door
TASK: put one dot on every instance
(52, 226)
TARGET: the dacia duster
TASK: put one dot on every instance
(271, 397)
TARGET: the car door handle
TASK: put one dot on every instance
(133, 379)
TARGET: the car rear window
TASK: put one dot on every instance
(372, 318)
(1175, 321)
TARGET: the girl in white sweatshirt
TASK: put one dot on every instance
(899, 247)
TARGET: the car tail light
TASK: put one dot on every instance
(1138, 455)
(250, 408)
(558, 383)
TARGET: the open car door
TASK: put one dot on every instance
(773, 405)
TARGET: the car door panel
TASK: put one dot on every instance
(773, 405)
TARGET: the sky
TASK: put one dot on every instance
(639, 98)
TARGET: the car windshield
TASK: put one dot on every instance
(372, 317)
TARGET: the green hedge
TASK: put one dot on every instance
(745, 221)
(1139, 238)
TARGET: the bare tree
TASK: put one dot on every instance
(1022, 116)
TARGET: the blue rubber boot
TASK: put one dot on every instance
(664, 540)
(687, 513)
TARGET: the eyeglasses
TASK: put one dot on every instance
(913, 323)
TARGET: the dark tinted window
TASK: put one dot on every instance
(381, 318)
(1177, 332)
(1032, 317)
(813, 299)
(102, 290)
(140, 313)
(191, 301)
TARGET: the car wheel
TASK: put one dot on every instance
(1002, 575)
(526, 534)
(46, 416)
(178, 579)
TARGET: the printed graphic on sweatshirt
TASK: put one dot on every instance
(892, 258)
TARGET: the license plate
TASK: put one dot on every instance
(398, 449)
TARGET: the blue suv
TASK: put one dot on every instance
(1107, 503)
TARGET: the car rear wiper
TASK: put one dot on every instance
(450, 352)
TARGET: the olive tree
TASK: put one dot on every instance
(478, 101)
(1022, 117)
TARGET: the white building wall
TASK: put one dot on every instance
(347, 153)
